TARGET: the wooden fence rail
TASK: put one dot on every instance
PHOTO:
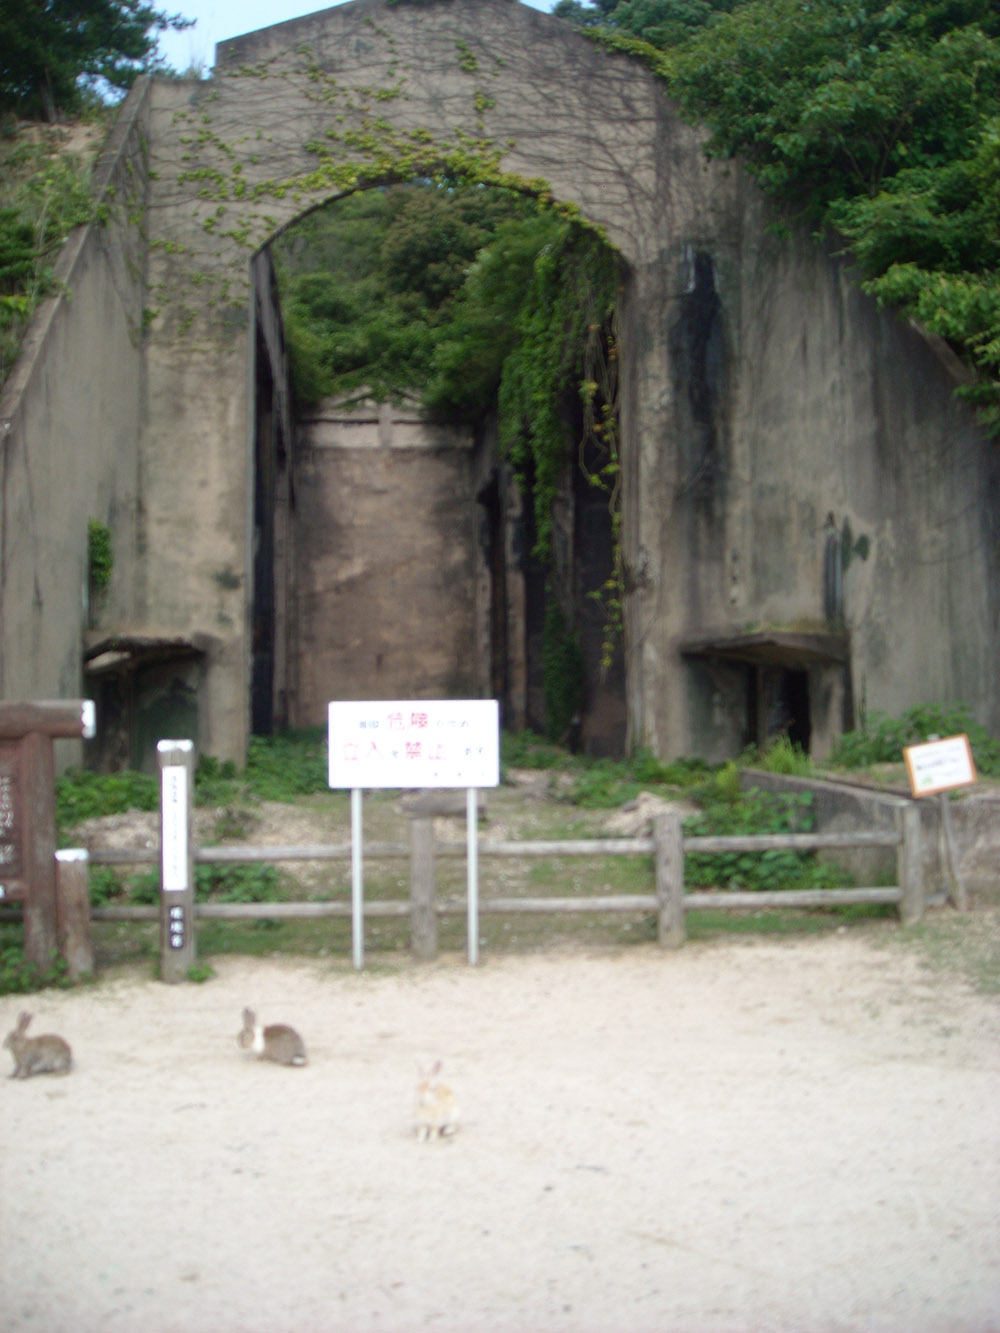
(668, 846)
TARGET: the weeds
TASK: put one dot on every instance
(882, 739)
(728, 810)
(17, 975)
(46, 195)
(81, 794)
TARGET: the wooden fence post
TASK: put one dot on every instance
(423, 918)
(177, 941)
(909, 863)
(73, 911)
(669, 880)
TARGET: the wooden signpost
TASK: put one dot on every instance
(177, 940)
(28, 816)
(935, 768)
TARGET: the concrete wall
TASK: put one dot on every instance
(814, 416)
(70, 421)
(387, 560)
(849, 807)
(767, 404)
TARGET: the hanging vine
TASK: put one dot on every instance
(568, 335)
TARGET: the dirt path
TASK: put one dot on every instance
(800, 1135)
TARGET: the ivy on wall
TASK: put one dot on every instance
(552, 357)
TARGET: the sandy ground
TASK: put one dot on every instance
(751, 1135)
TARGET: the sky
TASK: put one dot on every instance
(218, 20)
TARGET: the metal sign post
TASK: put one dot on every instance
(413, 744)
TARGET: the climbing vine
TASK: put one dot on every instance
(568, 335)
(555, 379)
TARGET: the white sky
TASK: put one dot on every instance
(218, 20)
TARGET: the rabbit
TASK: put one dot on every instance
(277, 1041)
(46, 1054)
(437, 1110)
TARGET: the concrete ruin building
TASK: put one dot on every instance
(809, 515)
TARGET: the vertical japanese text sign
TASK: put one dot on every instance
(176, 859)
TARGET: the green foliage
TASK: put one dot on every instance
(472, 298)
(664, 23)
(604, 785)
(81, 794)
(482, 329)
(217, 782)
(228, 882)
(524, 749)
(726, 809)
(223, 881)
(368, 285)
(609, 784)
(875, 117)
(288, 765)
(562, 673)
(782, 756)
(100, 557)
(881, 739)
(564, 326)
(53, 52)
(105, 885)
(45, 195)
(17, 975)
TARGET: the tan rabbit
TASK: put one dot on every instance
(277, 1041)
(46, 1054)
(437, 1110)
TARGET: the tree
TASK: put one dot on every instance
(876, 118)
(53, 51)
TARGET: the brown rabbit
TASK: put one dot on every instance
(277, 1041)
(46, 1054)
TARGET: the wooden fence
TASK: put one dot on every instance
(668, 847)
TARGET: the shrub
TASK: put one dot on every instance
(81, 794)
(287, 766)
(729, 810)
(882, 739)
(17, 975)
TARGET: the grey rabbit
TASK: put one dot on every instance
(277, 1041)
(45, 1054)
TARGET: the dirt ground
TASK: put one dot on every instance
(743, 1135)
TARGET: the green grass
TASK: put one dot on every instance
(963, 945)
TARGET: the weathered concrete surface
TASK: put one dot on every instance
(775, 424)
(849, 807)
(386, 560)
(70, 417)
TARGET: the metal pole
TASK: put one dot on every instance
(357, 884)
(472, 862)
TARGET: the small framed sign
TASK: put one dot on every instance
(937, 766)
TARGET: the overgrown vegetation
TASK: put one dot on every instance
(881, 739)
(728, 809)
(474, 300)
(877, 118)
(44, 194)
(17, 975)
(100, 555)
